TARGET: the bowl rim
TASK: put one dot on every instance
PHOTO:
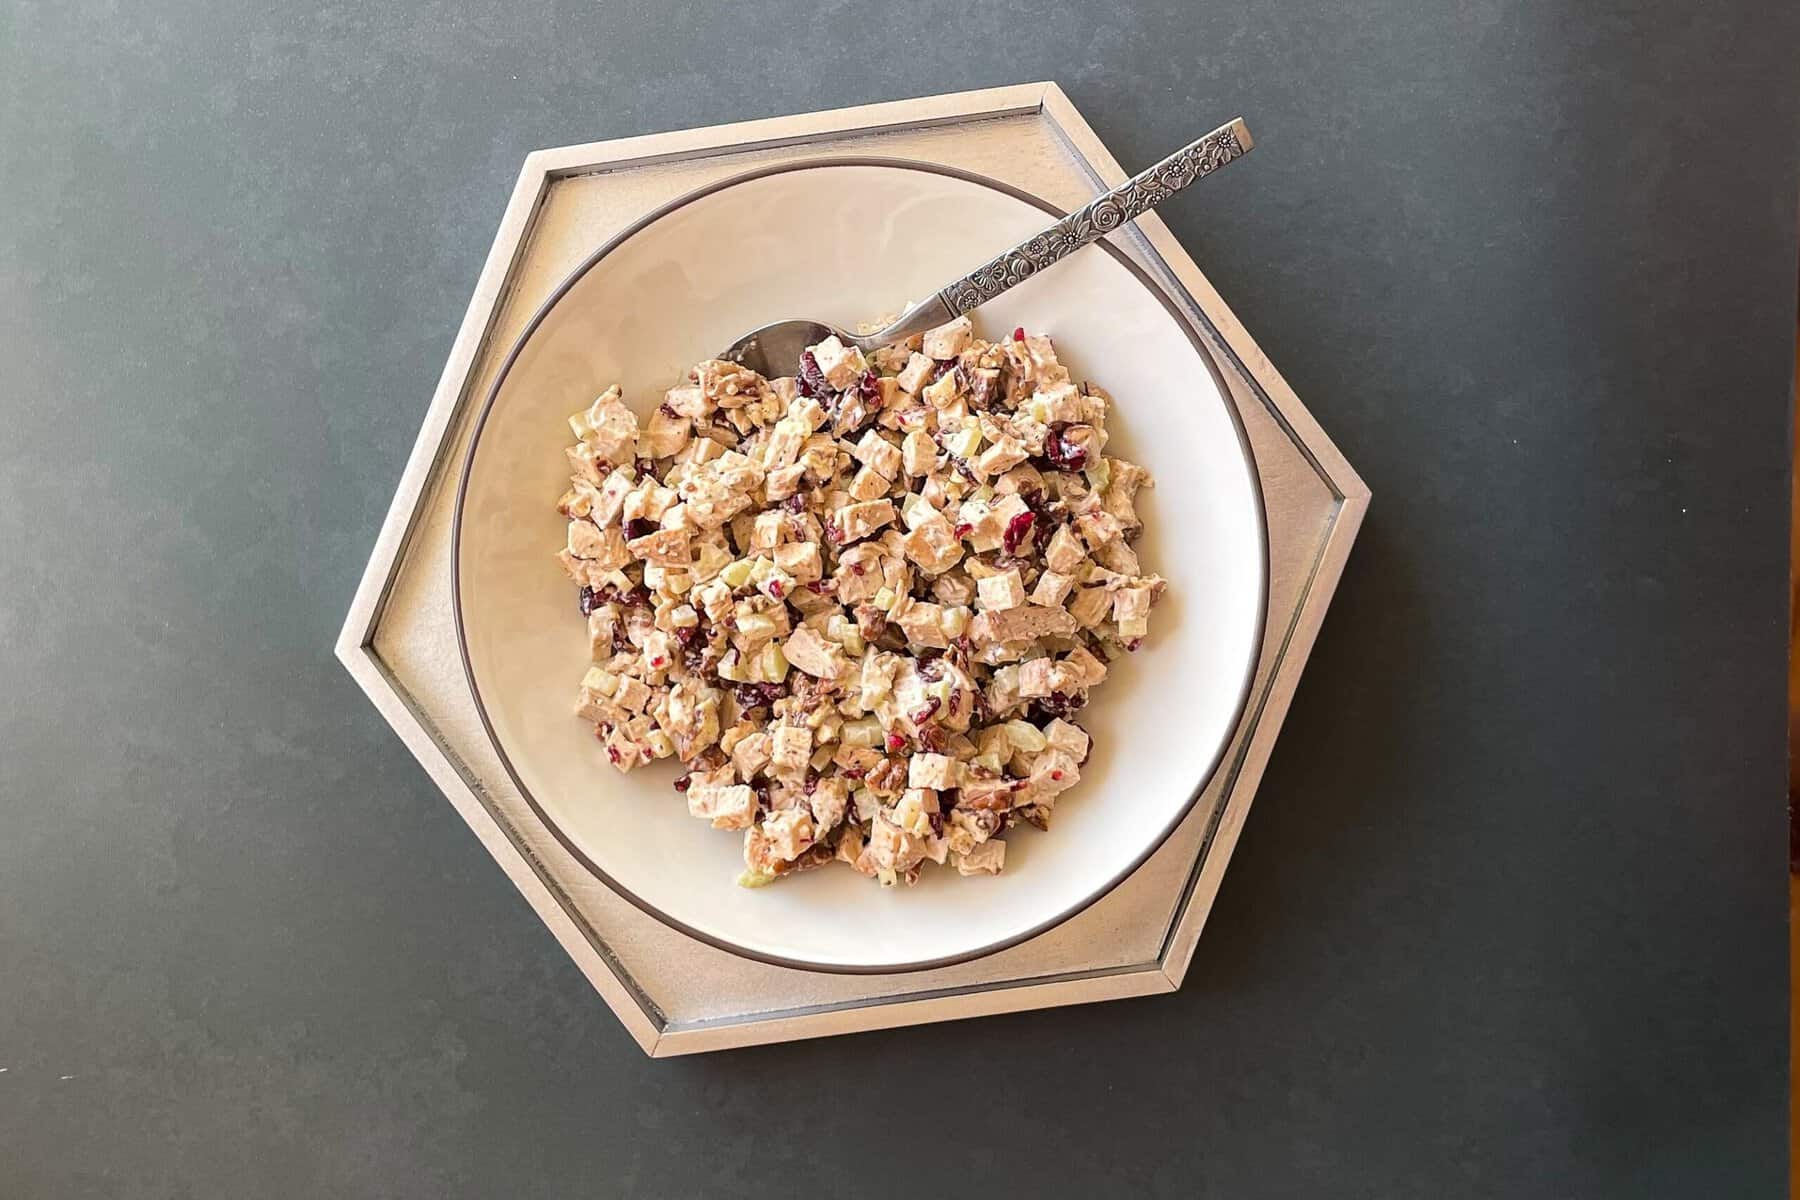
(1155, 288)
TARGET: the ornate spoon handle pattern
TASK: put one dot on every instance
(1104, 213)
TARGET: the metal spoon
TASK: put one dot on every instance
(775, 349)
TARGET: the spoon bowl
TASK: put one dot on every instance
(774, 349)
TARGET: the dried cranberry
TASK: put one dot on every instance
(749, 695)
(921, 716)
(855, 772)
(1018, 530)
(590, 600)
(685, 634)
(932, 668)
(612, 752)
(1019, 334)
(639, 527)
(667, 409)
(795, 503)
(982, 385)
(683, 782)
(937, 822)
(1062, 453)
(1055, 705)
(869, 387)
(895, 742)
(819, 587)
(963, 529)
(811, 381)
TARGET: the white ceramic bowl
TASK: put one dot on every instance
(846, 241)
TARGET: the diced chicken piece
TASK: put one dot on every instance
(915, 510)
(783, 482)
(632, 694)
(586, 462)
(611, 428)
(1007, 452)
(945, 394)
(665, 436)
(789, 833)
(1093, 670)
(584, 539)
(869, 484)
(840, 364)
(1131, 609)
(1090, 606)
(949, 339)
(688, 401)
(665, 547)
(1068, 737)
(935, 771)
(914, 375)
(783, 446)
(987, 858)
(933, 545)
(1118, 556)
(1052, 589)
(727, 807)
(1064, 551)
(1058, 404)
(578, 501)
(914, 810)
(857, 521)
(751, 754)
(659, 652)
(799, 560)
(918, 453)
(877, 452)
(953, 588)
(969, 827)
(766, 531)
(789, 750)
(1002, 591)
(1053, 771)
(1098, 527)
(1047, 676)
(1084, 441)
(829, 800)
(1024, 622)
(602, 623)
(923, 624)
(891, 849)
(858, 575)
(806, 650)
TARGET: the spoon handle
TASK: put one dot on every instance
(1101, 215)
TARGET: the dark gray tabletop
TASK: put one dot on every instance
(1508, 916)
